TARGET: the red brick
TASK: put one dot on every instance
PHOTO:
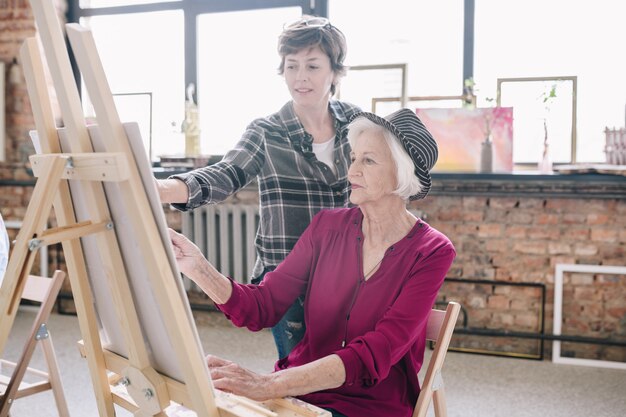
(503, 202)
(506, 319)
(535, 204)
(558, 204)
(617, 312)
(598, 219)
(500, 302)
(453, 214)
(579, 279)
(544, 218)
(519, 217)
(473, 216)
(541, 233)
(515, 231)
(561, 260)
(604, 235)
(518, 304)
(497, 245)
(596, 205)
(477, 302)
(536, 248)
(583, 249)
(474, 202)
(466, 229)
(572, 324)
(489, 230)
(526, 320)
(496, 216)
(557, 248)
(586, 293)
(503, 274)
(576, 233)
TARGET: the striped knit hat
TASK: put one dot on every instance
(416, 140)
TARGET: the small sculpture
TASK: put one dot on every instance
(191, 125)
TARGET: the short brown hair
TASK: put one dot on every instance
(311, 31)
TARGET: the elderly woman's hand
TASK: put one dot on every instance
(188, 256)
(230, 377)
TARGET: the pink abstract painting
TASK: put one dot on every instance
(459, 132)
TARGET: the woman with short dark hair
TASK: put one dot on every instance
(299, 157)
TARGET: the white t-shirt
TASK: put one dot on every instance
(324, 152)
(4, 249)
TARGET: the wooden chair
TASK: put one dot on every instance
(440, 328)
(45, 291)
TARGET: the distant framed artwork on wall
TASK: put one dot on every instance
(387, 105)
(559, 320)
(365, 82)
(460, 133)
(544, 107)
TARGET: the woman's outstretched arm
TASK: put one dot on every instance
(194, 265)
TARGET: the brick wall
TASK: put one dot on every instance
(16, 24)
(520, 240)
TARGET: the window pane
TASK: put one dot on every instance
(237, 72)
(535, 119)
(142, 55)
(537, 38)
(425, 34)
(92, 4)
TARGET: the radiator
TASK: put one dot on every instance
(225, 234)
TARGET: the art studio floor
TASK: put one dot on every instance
(476, 385)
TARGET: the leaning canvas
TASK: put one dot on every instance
(460, 133)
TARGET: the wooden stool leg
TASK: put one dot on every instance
(55, 376)
(439, 402)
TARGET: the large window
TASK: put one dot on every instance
(143, 59)
(154, 50)
(426, 35)
(227, 49)
(238, 72)
(538, 38)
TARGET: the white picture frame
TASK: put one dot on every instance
(558, 313)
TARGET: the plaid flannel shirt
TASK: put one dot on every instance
(293, 184)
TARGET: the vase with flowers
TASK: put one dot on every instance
(545, 164)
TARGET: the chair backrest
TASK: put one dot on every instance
(439, 329)
(37, 288)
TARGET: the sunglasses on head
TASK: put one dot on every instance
(310, 22)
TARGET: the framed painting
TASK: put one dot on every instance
(460, 133)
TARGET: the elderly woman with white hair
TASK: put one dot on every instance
(370, 274)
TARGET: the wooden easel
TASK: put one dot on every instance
(144, 390)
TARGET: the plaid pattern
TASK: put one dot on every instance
(293, 184)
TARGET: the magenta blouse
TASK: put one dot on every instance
(377, 327)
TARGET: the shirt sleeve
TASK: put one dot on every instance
(214, 183)
(368, 359)
(260, 306)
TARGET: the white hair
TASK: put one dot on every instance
(408, 183)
